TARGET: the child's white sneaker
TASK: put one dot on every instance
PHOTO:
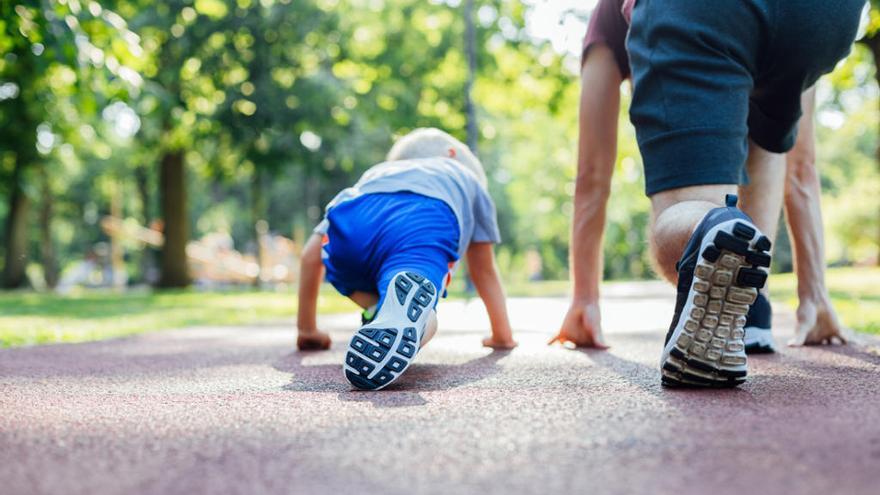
(384, 348)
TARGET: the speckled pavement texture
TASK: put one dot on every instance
(236, 410)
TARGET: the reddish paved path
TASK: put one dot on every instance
(234, 410)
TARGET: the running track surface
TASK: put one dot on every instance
(236, 410)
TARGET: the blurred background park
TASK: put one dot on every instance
(162, 163)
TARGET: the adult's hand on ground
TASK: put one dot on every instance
(817, 324)
(313, 340)
(582, 327)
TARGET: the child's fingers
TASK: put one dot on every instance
(317, 342)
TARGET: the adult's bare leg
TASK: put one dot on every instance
(721, 258)
(676, 213)
(762, 198)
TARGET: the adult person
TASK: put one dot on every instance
(605, 66)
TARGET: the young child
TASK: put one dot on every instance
(392, 242)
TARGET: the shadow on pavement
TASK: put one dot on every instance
(647, 378)
(404, 393)
(863, 352)
(140, 355)
(777, 380)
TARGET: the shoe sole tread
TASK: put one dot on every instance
(726, 281)
(370, 345)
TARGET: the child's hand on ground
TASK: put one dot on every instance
(817, 324)
(312, 340)
(582, 327)
(499, 343)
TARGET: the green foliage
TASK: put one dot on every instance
(847, 159)
(60, 62)
(278, 104)
(854, 293)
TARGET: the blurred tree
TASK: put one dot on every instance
(52, 51)
(256, 110)
(278, 86)
(172, 32)
(471, 53)
(871, 40)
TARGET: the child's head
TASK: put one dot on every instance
(429, 142)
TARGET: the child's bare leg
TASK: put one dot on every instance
(365, 300)
(430, 328)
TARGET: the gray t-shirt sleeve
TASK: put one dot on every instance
(322, 227)
(485, 219)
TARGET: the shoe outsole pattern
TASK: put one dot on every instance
(378, 354)
(709, 350)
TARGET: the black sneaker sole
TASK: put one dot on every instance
(709, 350)
(382, 350)
(760, 349)
(759, 341)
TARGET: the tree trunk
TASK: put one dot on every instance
(47, 245)
(142, 183)
(117, 256)
(261, 229)
(174, 270)
(875, 49)
(23, 138)
(16, 233)
(471, 52)
(873, 44)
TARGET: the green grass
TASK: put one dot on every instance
(855, 293)
(543, 288)
(36, 318)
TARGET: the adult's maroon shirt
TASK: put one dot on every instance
(609, 24)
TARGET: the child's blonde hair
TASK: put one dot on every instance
(430, 142)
